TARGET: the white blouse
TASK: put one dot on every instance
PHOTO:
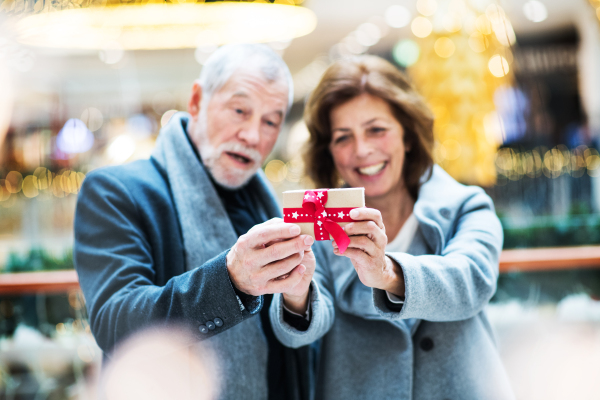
(400, 244)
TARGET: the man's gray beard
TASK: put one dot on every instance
(231, 178)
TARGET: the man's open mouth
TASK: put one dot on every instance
(239, 157)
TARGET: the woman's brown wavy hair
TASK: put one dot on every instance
(343, 81)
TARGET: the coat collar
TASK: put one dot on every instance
(436, 209)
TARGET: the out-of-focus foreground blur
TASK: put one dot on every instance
(514, 86)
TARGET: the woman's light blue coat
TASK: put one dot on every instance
(440, 345)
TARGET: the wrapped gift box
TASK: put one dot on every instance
(317, 211)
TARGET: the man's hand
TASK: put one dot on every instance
(296, 299)
(268, 259)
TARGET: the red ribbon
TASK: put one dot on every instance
(325, 219)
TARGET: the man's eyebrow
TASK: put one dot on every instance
(240, 94)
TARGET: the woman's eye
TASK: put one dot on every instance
(340, 139)
(377, 130)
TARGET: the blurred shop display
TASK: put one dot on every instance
(46, 347)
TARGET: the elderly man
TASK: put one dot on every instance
(181, 238)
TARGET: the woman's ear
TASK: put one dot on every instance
(195, 99)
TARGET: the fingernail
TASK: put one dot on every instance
(353, 213)
(295, 230)
(308, 240)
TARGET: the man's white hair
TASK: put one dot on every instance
(230, 58)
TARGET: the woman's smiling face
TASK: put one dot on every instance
(367, 145)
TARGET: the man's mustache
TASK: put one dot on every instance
(231, 147)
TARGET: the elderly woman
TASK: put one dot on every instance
(422, 263)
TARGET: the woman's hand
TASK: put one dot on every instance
(296, 299)
(367, 252)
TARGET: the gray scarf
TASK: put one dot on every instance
(207, 231)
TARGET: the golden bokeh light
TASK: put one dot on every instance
(276, 171)
(30, 186)
(483, 25)
(444, 47)
(427, 7)
(4, 193)
(493, 128)
(495, 14)
(452, 22)
(453, 149)
(453, 73)
(421, 27)
(478, 42)
(551, 163)
(14, 181)
(498, 66)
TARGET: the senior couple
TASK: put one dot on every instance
(193, 236)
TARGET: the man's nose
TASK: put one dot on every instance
(250, 132)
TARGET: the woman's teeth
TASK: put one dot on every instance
(372, 170)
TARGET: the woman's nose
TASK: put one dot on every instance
(362, 147)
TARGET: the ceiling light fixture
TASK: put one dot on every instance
(144, 24)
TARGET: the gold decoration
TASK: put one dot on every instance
(463, 62)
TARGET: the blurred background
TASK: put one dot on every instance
(514, 86)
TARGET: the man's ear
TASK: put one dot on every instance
(195, 99)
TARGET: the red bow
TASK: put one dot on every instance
(325, 219)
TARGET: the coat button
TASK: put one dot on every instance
(218, 322)
(426, 344)
(210, 325)
(203, 329)
(444, 212)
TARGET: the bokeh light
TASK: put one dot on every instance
(406, 52)
(276, 171)
(93, 118)
(498, 66)
(368, 34)
(74, 137)
(397, 16)
(483, 25)
(478, 42)
(120, 149)
(444, 47)
(30, 186)
(166, 117)
(421, 27)
(535, 11)
(452, 22)
(427, 7)
(14, 181)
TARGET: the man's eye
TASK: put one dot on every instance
(271, 123)
(239, 111)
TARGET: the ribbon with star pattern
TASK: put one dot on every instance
(325, 219)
